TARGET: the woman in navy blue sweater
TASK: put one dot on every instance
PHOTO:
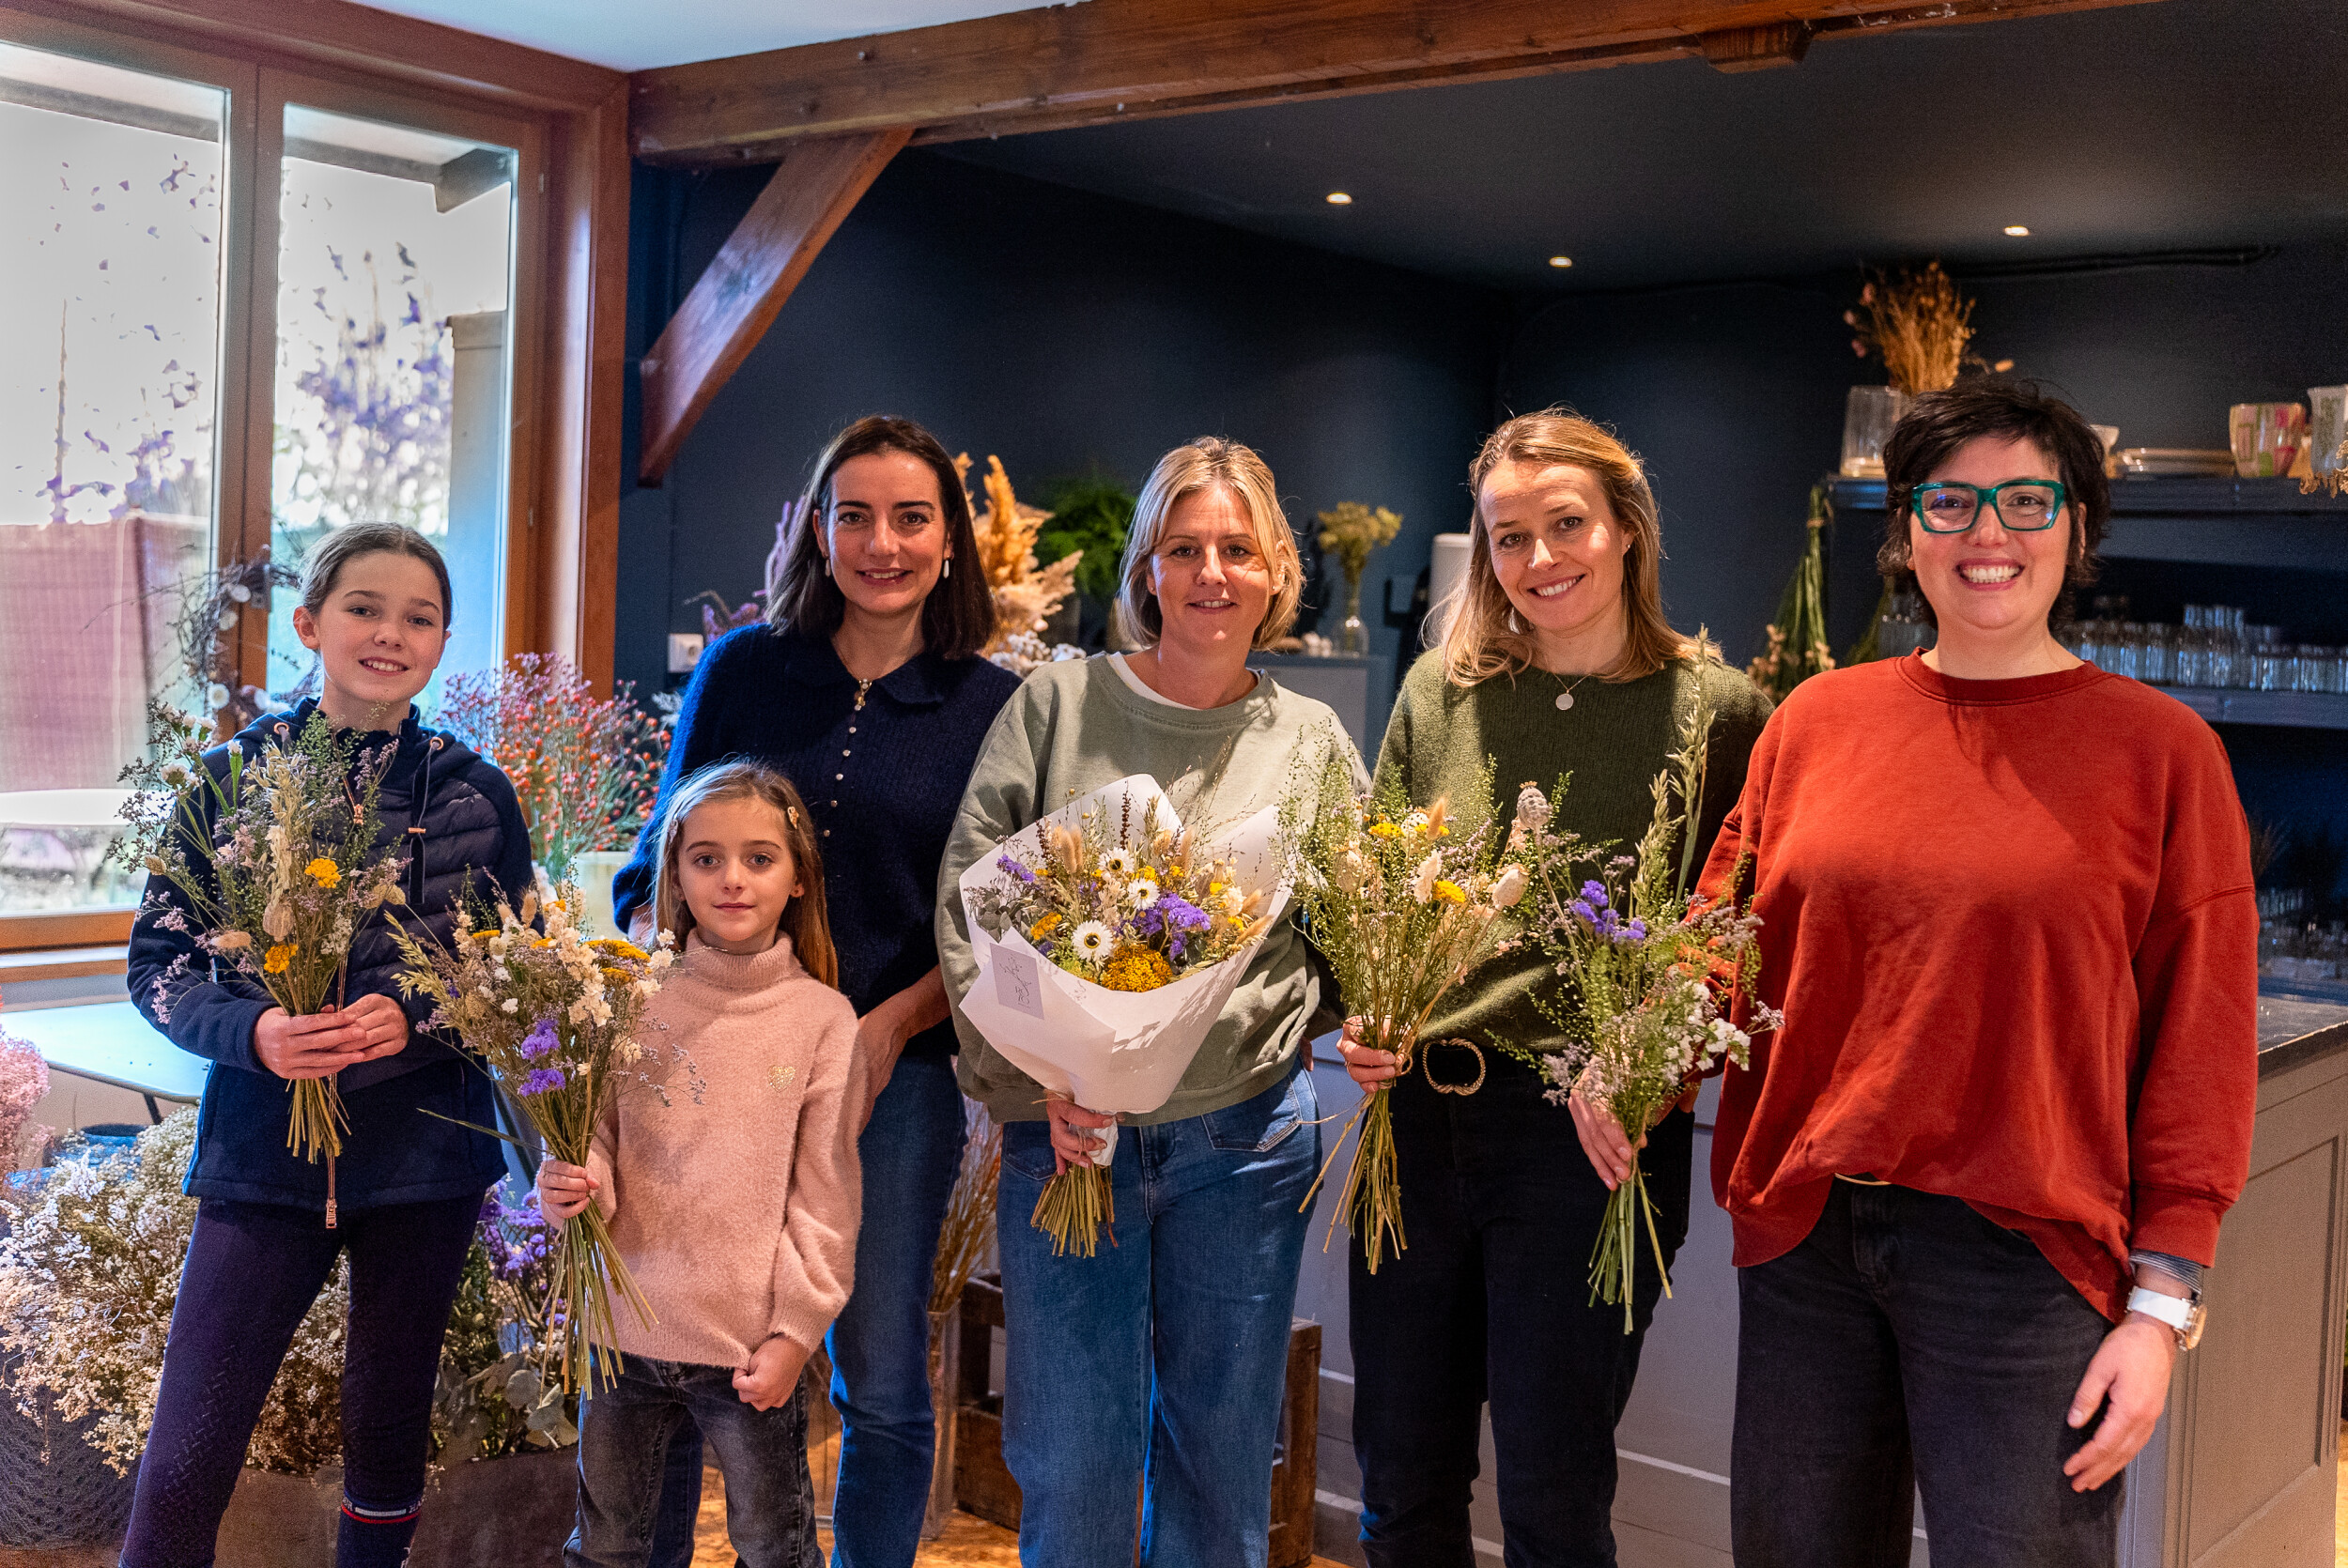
(864, 688)
(405, 1192)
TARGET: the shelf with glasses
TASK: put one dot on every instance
(2208, 522)
(2290, 710)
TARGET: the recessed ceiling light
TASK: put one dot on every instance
(1560, 261)
(1338, 198)
(2019, 231)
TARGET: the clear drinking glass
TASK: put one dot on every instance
(1868, 415)
(2327, 427)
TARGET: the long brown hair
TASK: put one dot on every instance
(957, 618)
(805, 918)
(1190, 468)
(1478, 638)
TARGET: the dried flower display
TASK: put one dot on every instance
(585, 767)
(1026, 594)
(1116, 934)
(1351, 531)
(275, 854)
(24, 1082)
(1656, 978)
(1403, 908)
(1797, 647)
(1917, 323)
(556, 1016)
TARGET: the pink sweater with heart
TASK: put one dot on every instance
(734, 1204)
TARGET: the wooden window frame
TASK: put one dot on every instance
(566, 120)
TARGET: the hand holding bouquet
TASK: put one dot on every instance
(276, 857)
(1108, 937)
(1403, 910)
(1657, 973)
(555, 1015)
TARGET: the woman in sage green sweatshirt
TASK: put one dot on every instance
(1556, 660)
(1170, 1343)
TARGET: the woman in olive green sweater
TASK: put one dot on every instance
(1165, 1348)
(1556, 659)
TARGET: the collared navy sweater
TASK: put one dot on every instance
(882, 784)
(394, 1153)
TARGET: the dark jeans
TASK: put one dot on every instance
(252, 1272)
(880, 1345)
(1490, 1302)
(623, 1443)
(1910, 1343)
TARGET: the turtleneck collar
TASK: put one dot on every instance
(739, 970)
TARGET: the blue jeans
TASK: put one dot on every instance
(1910, 1344)
(880, 1343)
(624, 1440)
(1161, 1358)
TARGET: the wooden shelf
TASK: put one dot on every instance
(2289, 710)
(2208, 522)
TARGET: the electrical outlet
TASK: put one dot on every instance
(684, 652)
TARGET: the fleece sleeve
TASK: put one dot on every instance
(999, 800)
(2196, 968)
(815, 1259)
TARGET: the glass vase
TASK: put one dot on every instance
(1353, 636)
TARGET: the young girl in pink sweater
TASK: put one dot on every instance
(734, 1204)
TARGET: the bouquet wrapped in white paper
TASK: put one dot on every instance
(1107, 939)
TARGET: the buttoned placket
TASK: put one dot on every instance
(841, 776)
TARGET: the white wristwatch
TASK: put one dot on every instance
(2185, 1315)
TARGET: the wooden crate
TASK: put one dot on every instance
(983, 1486)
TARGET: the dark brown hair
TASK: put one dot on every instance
(1940, 423)
(343, 545)
(957, 618)
(805, 919)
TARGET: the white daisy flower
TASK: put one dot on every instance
(1093, 942)
(1117, 862)
(1141, 893)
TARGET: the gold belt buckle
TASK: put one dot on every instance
(1860, 1180)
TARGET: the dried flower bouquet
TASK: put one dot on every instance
(276, 857)
(1115, 935)
(1403, 910)
(1658, 977)
(556, 1017)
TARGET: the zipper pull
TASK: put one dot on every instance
(330, 1191)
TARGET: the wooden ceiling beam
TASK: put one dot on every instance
(1109, 60)
(736, 299)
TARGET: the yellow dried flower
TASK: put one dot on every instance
(1386, 830)
(619, 947)
(279, 959)
(1450, 893)
(1043, 928)
(1136, 968)
(324, 872)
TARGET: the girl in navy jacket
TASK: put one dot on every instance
(405, 1192)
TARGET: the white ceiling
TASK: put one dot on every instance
(629, 35)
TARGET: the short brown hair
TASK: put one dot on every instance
(957, 618)
(1477, 642)
(1938, 422)
(1190, 468)
(345, 544)
(806, 920)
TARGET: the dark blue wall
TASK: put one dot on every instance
(1061, 332)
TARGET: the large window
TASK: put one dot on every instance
(109, 423)
(243, 312)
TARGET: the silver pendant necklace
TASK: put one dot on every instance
(1565, 697)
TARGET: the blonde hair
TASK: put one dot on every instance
(1186, 470)
(1479, 639)
(805, 919)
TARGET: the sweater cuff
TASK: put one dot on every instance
(802, 1324)
(2182, 1223)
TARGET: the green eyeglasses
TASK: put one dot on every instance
(1950, 506)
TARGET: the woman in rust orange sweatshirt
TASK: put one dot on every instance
(1975, 1176)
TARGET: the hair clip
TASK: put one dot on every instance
(792, 812)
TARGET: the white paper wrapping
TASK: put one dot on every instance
(1109, 1051)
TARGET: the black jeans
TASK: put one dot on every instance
(625, 1435)
(1492, 1301)
(252, 1272)
(1909, 1342)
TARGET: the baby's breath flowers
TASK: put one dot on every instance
(274, 857)
(1403, 908)
(557, 1018)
